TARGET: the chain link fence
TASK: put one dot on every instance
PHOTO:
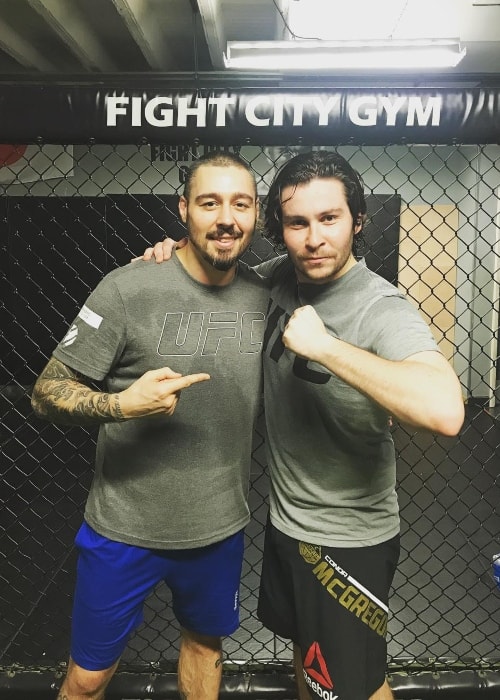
(71, 214)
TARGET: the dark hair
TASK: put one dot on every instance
(222, 159)
(302, 169)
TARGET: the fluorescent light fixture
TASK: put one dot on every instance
(320, 55)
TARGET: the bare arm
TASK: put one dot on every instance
(61, 396)
(421, 390)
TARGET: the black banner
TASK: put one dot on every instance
(71, 114)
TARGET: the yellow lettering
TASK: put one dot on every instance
(348, 596)
(382, 628)
(368, 613)
(333, 584)
(378, 622)
(323, 572)
(375, 618)
(352, 599)
(360, 605)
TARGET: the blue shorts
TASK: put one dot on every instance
(114, 580)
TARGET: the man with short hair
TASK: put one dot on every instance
(168, 501)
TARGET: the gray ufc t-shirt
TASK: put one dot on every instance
(176, 481)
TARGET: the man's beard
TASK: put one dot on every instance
(222, 261)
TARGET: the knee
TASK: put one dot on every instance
(80, 682)
(201, 642)
(383, 693)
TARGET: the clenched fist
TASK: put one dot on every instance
(304, 332)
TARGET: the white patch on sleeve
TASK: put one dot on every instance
(70, 336)
(90, 317)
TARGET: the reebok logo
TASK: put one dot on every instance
(314, 657)
(315, 668)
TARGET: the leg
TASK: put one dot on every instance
(383, 693)
(277, 607)
(113, 579)
(81, 684)
(302, 690)
(200, 666)
(338, 625)
(206, 613)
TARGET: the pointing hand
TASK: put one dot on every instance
(157, 391)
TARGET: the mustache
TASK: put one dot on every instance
(212, 235)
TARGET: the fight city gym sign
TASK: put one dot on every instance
(69, 113)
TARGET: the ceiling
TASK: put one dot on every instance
(44, 38)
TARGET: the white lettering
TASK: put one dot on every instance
(221, 103)
(325, 694)
(392, 108)
(166, 114)
(369, 115)
(325, 109)
(279, 108)
(136, 111)
(252, 105)
(298, 110)
(114, 108)
(199, 111)
(336, 566)
(417, 110)
(275, 110)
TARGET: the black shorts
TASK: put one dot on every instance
(332, 602)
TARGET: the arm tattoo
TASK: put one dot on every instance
(60, 396)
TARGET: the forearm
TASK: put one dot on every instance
(422, 391)
(60, 397)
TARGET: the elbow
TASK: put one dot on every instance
(37, 404)
(450, 420)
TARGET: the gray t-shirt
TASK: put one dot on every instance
(331, 454)
(178, 481)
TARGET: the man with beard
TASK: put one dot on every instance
(168, 501)
(344, 350)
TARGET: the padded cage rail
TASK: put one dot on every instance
(271, 682)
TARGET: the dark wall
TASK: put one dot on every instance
(55, 250)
